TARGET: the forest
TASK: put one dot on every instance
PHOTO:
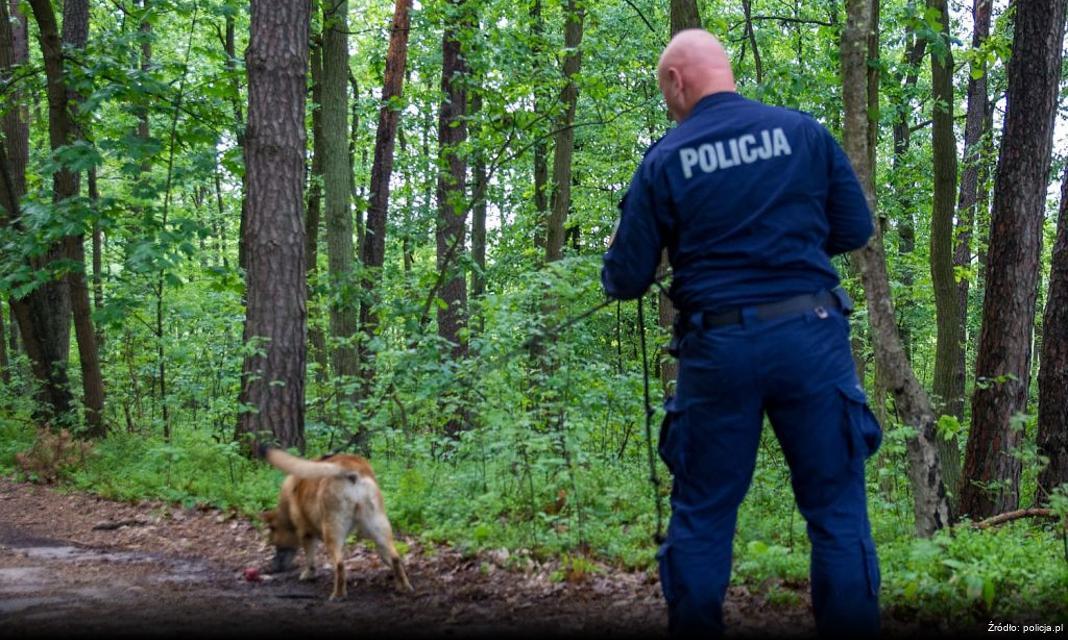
(378, 227)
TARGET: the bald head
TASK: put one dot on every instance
(692, 66)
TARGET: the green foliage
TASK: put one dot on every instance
(552, 459)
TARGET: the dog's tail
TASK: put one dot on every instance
(310, 469)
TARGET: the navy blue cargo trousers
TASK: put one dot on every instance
(798, 369)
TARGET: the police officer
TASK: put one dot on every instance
(751, 201)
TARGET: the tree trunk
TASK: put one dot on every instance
(5, 375)
(684, 15)
(337, 181)
(975, 132)
(1003, 365)
(239, 133)
(913, 405)
(33, 314)
(451, 227)
(272, 387)
(75, 36)
(452, 132)
(541, 149)
(374, 245)
(565, 133)
(478, 221)
(1053, 372)
(947, 311)
(312, 221)
(98, 258)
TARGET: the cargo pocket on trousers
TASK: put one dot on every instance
(871, 566)
(864, 433)
(671, 445)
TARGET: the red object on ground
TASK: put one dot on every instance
(252, 574)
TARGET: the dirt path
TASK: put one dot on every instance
(75, 564)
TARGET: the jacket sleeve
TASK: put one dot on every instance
(847, 209)
(631, 260)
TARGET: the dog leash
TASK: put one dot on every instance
(650, 412)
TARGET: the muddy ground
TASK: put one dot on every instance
(76, 564)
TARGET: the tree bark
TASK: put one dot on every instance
(374, 245)
(975, 133)
(451, 225)
(541, 149)
(337, 185)
(913, 405)
(948, 344)
(239, 133)
(452, 132)
(565, 133)
(478, 221)
(316, 338)
(684, 15)
(75, 36)
(272, 390)
(1003, 365)
(1053, 372)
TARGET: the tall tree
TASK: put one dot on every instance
(914, 407)
(316, 338)
(374, 245)
(272, 388)
(337, 181)
(452, 133)
(947, 311)
(1053, 373)
(479, 210)
(565, 132)
(541, 148)
(75, 37)
(451, 183)
(1003, 363)
(976, 139)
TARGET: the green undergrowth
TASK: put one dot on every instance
(601, 516)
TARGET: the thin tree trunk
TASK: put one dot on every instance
(541, 149)
(913, 406)
(75, 36)
(1053, 373)
(565, 133)
(1003, 365)
(947, 311)
(312, 221)
(478, 220)
(229, 47)
(273, 374)
(5, 375)
(337, 185)
(975, 133)
(747, 8)
(451, 227)
(374, 245)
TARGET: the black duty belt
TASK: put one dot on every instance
(836, 298)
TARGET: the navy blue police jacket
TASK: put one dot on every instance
(750, 200)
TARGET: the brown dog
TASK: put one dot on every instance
(325, 500)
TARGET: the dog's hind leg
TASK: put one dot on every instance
(309, 544)
(334, 541)
(379, 530)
